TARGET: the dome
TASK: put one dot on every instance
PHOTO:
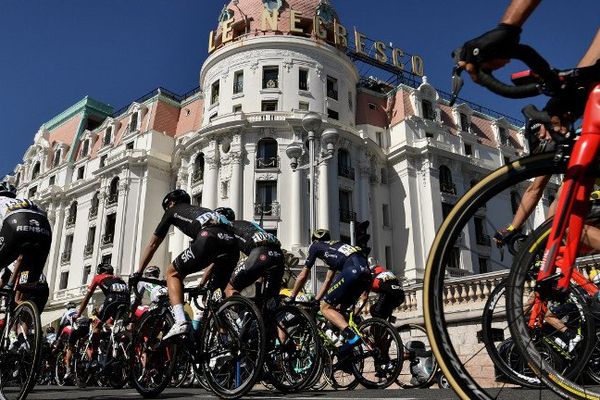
(247, 16)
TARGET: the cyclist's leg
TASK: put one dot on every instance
(247, 273)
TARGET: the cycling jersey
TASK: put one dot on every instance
(154, 291)
(67, 318)
(250, 235)
(116, 294)
(333, 253)
(189, 219)
(390, 292)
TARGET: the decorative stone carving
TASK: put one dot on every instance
(288, 64)
(211, 163)
(266, 177)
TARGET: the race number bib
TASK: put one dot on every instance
(118, 287)
(348, 250)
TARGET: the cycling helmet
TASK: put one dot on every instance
(7, 189)
(226, 212)
(152, 272)
(105, 268)
(176, 196)
(70, 305)
(322, 235)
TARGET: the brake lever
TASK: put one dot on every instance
(457, 80)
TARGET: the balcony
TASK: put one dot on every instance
(266, 163)
(448, 188)
(88, 250)
(112, 199)
(71, 221)
(93, 212)
(107, 239)
(271, 210)
(346, 172)
(238, 87)
(347, 216)
(198, 176)
(65, 257)
(483, 240)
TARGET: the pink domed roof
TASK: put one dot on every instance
(248, 13)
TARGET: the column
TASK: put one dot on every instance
(296, 207)
(363, 191)
(209, 190)
(323, 221)
(236, 183)
(57, 216)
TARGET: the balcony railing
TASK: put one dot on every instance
(484, 240)
(347, 215)
(93, 212)
(197, 175)
(267, 209)
(107, 239)
(448, 187)
(112, 199)
(264, 163)
(71, 221)
(346, 172)
(88, 250)
(65, 257)
(238, 87)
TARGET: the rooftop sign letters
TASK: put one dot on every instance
(319, 28)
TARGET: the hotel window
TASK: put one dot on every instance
(266, 195)
(385, 211)
(103, 161)
(266, 156)
(346, 211)
(91, 238)
(212, 117)
(506, 160)
(133, 123)
(332, 88)
(468, 149)
(237, 108)
(446, 183)
(504, 136)
(57, 157)
(303, 106)
(109, 229)
(428, 110)
(85, 148)
(303, 79)
(32, 192)
(483, 265)
(107, 136)
(52, 180)
(333, 114)
(379, 138)
(198, 173)
(464, 122)
(481, 237)
(107, 259)
(36, 170)
(80, 172)
(269, 105)
(66, 254)
(214, 93)
(87, 271)
(238, 82)
(225, 189)
(388, 257)
(345, 164)
(64, 280)
(270, 77)
(198, 199)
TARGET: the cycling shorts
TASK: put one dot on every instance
(263, 261)
(213, 244)
(354, 279)
(114, 306)
(390, 296)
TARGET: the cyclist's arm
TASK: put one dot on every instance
(300, 281)
(85, 301)
(149, 251)
(326, 284)
(593, 53)
(519, 11)
(531, 197)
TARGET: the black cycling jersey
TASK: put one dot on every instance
(189, 219)
(250, 236)
(333, 253)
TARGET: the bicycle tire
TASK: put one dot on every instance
(434, 367)
(256, 332)
(517, 377)
(563, 381)
(60, 369)
(165, 321)
(451, 365)
(371, 344)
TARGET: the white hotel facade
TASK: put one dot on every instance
(402, 155)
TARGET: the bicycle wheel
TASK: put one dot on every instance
(184, 370)
(20, 352)
(294, 357)
(508, 362)
(233, 342)
(152, 360)
(461, 241)
(421, 362)
(381, 354)
(561, 376)
(60, 369)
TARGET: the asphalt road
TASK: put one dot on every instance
(74, 393)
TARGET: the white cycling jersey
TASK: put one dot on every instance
(67, 318)
(154, 291)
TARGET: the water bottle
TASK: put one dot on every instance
(332, 336)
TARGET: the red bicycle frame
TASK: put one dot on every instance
(573, 204)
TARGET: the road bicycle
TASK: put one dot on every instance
(20, 346)
(81, 328)
(462, 362)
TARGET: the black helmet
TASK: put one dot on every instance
(226, 212)
(7, 189)
(152, 272)
(321, 234)
(176, 196)
(105, 268)
(70, 305)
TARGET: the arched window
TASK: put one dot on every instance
(266, 156)
(95, 205)
(36, 170)
(113, 194)
(72, 217)
(57, 157)
(85, 148)
(446, 184)
(345, 164)
(198, 174)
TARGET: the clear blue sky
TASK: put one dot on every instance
(53, 53)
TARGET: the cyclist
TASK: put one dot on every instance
(67, 333)
(265, 259)
(25, 238)
(390, 294)
(213, 242)
(153, 290)
(116, 299)
(354, 279)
